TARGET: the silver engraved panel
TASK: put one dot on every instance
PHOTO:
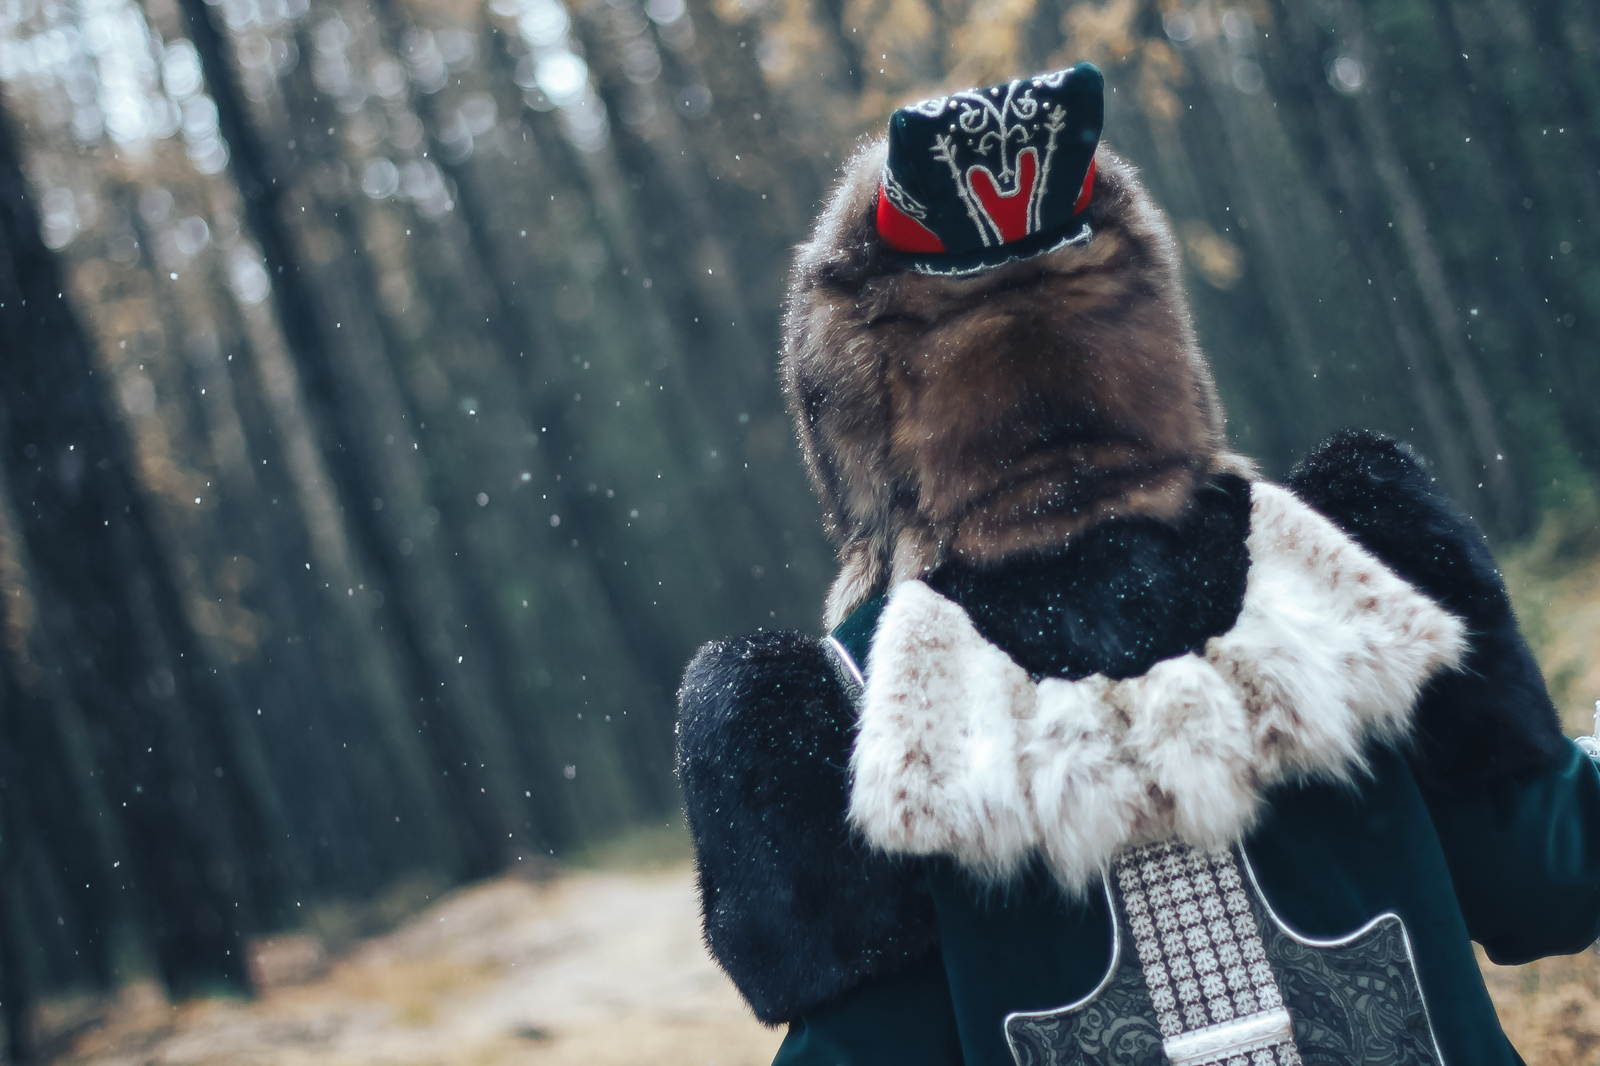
(1203, 973)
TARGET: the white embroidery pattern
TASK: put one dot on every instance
(996, 123)
(1204, 963)
(900, 198)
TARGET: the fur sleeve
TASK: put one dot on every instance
(797, 909)
(1493, 716)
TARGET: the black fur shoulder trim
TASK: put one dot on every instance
(1121, 596)
(1493, 716)
(798, 910)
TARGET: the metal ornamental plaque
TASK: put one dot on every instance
(1203, 973)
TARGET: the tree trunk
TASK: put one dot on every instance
(1333, 153)
(461, 721)
(115, 611)
(1508, 506)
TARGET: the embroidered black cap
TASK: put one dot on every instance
(978, 178)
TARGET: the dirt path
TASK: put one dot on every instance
(597, 969)
(594, 969)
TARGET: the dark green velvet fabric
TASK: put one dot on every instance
(905, 1018)
(1330, 859)
(1022, 947)
(855, 632)
(1524, 853)
(1514, 864)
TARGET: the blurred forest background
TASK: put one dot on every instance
(388, 408)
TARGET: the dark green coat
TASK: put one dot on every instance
(1513, 864)
(1482, 825)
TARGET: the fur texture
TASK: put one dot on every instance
(797, 909)
(960, 752)
(1322, 651)
(982, 416)
(1493, 716)
(1126, 593)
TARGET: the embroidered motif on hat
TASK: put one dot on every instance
(980, 177)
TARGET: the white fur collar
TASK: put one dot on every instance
(961, 753)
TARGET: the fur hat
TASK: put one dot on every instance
(997, 412)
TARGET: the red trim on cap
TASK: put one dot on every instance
(1088, 187)
(904, 233)
(1007, 210)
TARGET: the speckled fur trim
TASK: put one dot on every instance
(960, 752)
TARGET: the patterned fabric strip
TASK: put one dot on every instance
(1216, 998)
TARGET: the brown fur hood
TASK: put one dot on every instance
(982, 415)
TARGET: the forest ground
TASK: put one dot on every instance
(586, 968)
(601, 964)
